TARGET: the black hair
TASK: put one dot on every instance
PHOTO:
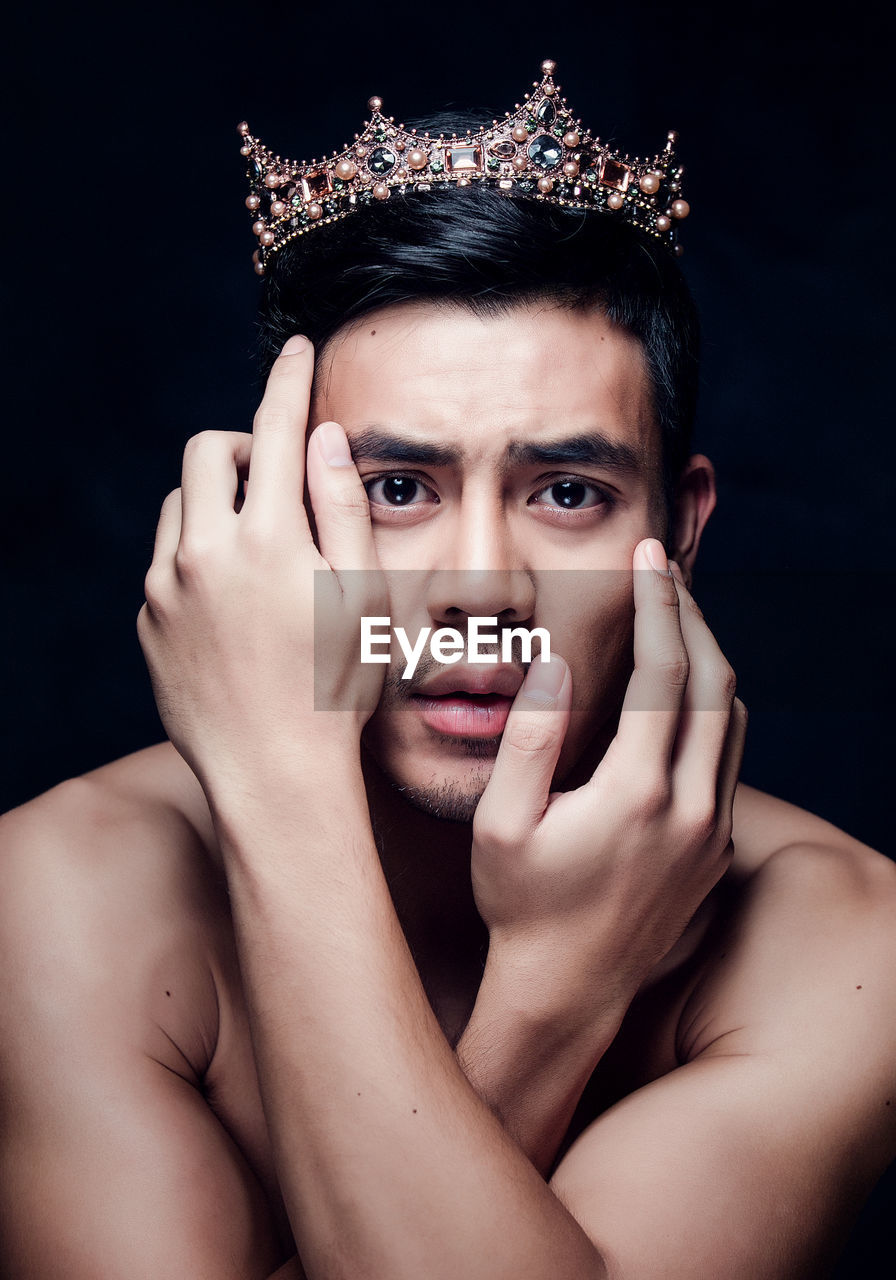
(476, 247)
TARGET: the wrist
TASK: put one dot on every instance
(292, 790)
(547, 987)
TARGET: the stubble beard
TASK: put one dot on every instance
(452, 799)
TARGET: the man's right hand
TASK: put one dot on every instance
(584, 892)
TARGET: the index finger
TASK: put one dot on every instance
(277, 461)
(651, 709)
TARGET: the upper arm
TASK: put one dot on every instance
(750, 1161)
(112, 1164)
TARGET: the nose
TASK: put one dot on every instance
(483, 574)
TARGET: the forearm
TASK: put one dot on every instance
(528, 1059)
(389, 1161)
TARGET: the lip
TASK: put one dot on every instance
(452, 714)
(503, 680)
(482, 713)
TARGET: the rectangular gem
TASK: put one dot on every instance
(614, 174)
(315, 185)
(505, 184)
(464, 159)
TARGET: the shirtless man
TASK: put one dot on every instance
(530, 986)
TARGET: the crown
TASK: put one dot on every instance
(539, 151)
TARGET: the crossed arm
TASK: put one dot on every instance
(390, 1157)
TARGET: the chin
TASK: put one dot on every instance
(450, 793)
(445, 801)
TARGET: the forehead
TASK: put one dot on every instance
(479, 382)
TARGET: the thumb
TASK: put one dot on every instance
(518, 791)
(339, 500)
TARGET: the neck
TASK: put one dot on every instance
(426, 862)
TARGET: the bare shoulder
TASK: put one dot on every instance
(799, 968)
(780, 1115)
(109, 892)
(116, 995)
(765, 824)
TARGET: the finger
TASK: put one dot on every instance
(732, 757)
(706, 710)
(160, 573)
(210, 479)
(277, 468)
(517, 794)
(339, 501)
(653, 700)
(168, 529)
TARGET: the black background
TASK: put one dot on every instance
(132, 297)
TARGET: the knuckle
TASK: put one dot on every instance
(651, 796)
(273, 416)
(493, 831)
(351, 502)
(698, 823)
(674, 669)
(532, 734)
(725, 678)
(155, 588)
(192, 557)
(201, 443)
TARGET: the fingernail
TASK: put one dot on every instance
(298, 342)
(333, 444)
(544, 680)
(656, 555)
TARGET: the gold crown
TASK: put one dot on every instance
(537, 152)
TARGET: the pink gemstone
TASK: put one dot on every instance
(615, 174)
(464, 159)
(315, 185)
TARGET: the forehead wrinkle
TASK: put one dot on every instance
(448, 383)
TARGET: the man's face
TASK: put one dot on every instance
(512, 465)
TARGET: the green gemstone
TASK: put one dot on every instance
(492, 164)
(436, 166)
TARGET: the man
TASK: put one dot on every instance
(524, 983)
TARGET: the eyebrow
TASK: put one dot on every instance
(377, 445)
(590, 447)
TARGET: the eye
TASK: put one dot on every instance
(571, 494)
(397, 491)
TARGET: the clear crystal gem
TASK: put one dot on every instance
(461, 159)
(545, 152)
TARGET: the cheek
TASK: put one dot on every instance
(595, 638)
